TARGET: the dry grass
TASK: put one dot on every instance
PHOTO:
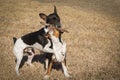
(93, 44)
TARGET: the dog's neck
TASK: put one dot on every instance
(55, 35)
(55, 39)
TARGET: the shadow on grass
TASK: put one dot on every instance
(41, 59)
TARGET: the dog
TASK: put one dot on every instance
(59, 52)
(52, 19)
(37, 39)
(26, 43)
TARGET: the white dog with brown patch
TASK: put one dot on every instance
(59, 47)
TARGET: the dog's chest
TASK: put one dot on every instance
(60, 50)
(56, 42)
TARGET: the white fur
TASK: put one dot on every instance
(65, 70)
(30, 57)
(59, 48)
(46, 77)
(47, 49)
(46, 30)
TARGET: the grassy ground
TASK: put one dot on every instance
(93, 44)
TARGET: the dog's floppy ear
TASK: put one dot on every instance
(43, 16)
(55, 10)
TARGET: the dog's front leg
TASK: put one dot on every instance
(49, 70)
(65, 69)
(47, 48)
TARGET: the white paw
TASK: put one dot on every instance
(45, 72)
(17, 71)
(18, 74)
(46, 77)
(68, 76)
(31, 65)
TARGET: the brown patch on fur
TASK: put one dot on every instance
(56, 32)
(47, 35)
(50, 67)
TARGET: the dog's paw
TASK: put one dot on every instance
(18, 74)
(68, 76)
(46, 77)
(30, 64)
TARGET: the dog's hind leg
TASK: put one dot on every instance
(31, 53)
(19, 59)
(46, 64)
(49, 70)
(29, 61)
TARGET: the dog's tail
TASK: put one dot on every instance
(14, 39)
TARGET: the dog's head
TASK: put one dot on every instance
(52, 19)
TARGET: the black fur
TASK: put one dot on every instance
(53, 19)
(38, 36)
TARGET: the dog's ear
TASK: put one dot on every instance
(55, 10)
(43, 16)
